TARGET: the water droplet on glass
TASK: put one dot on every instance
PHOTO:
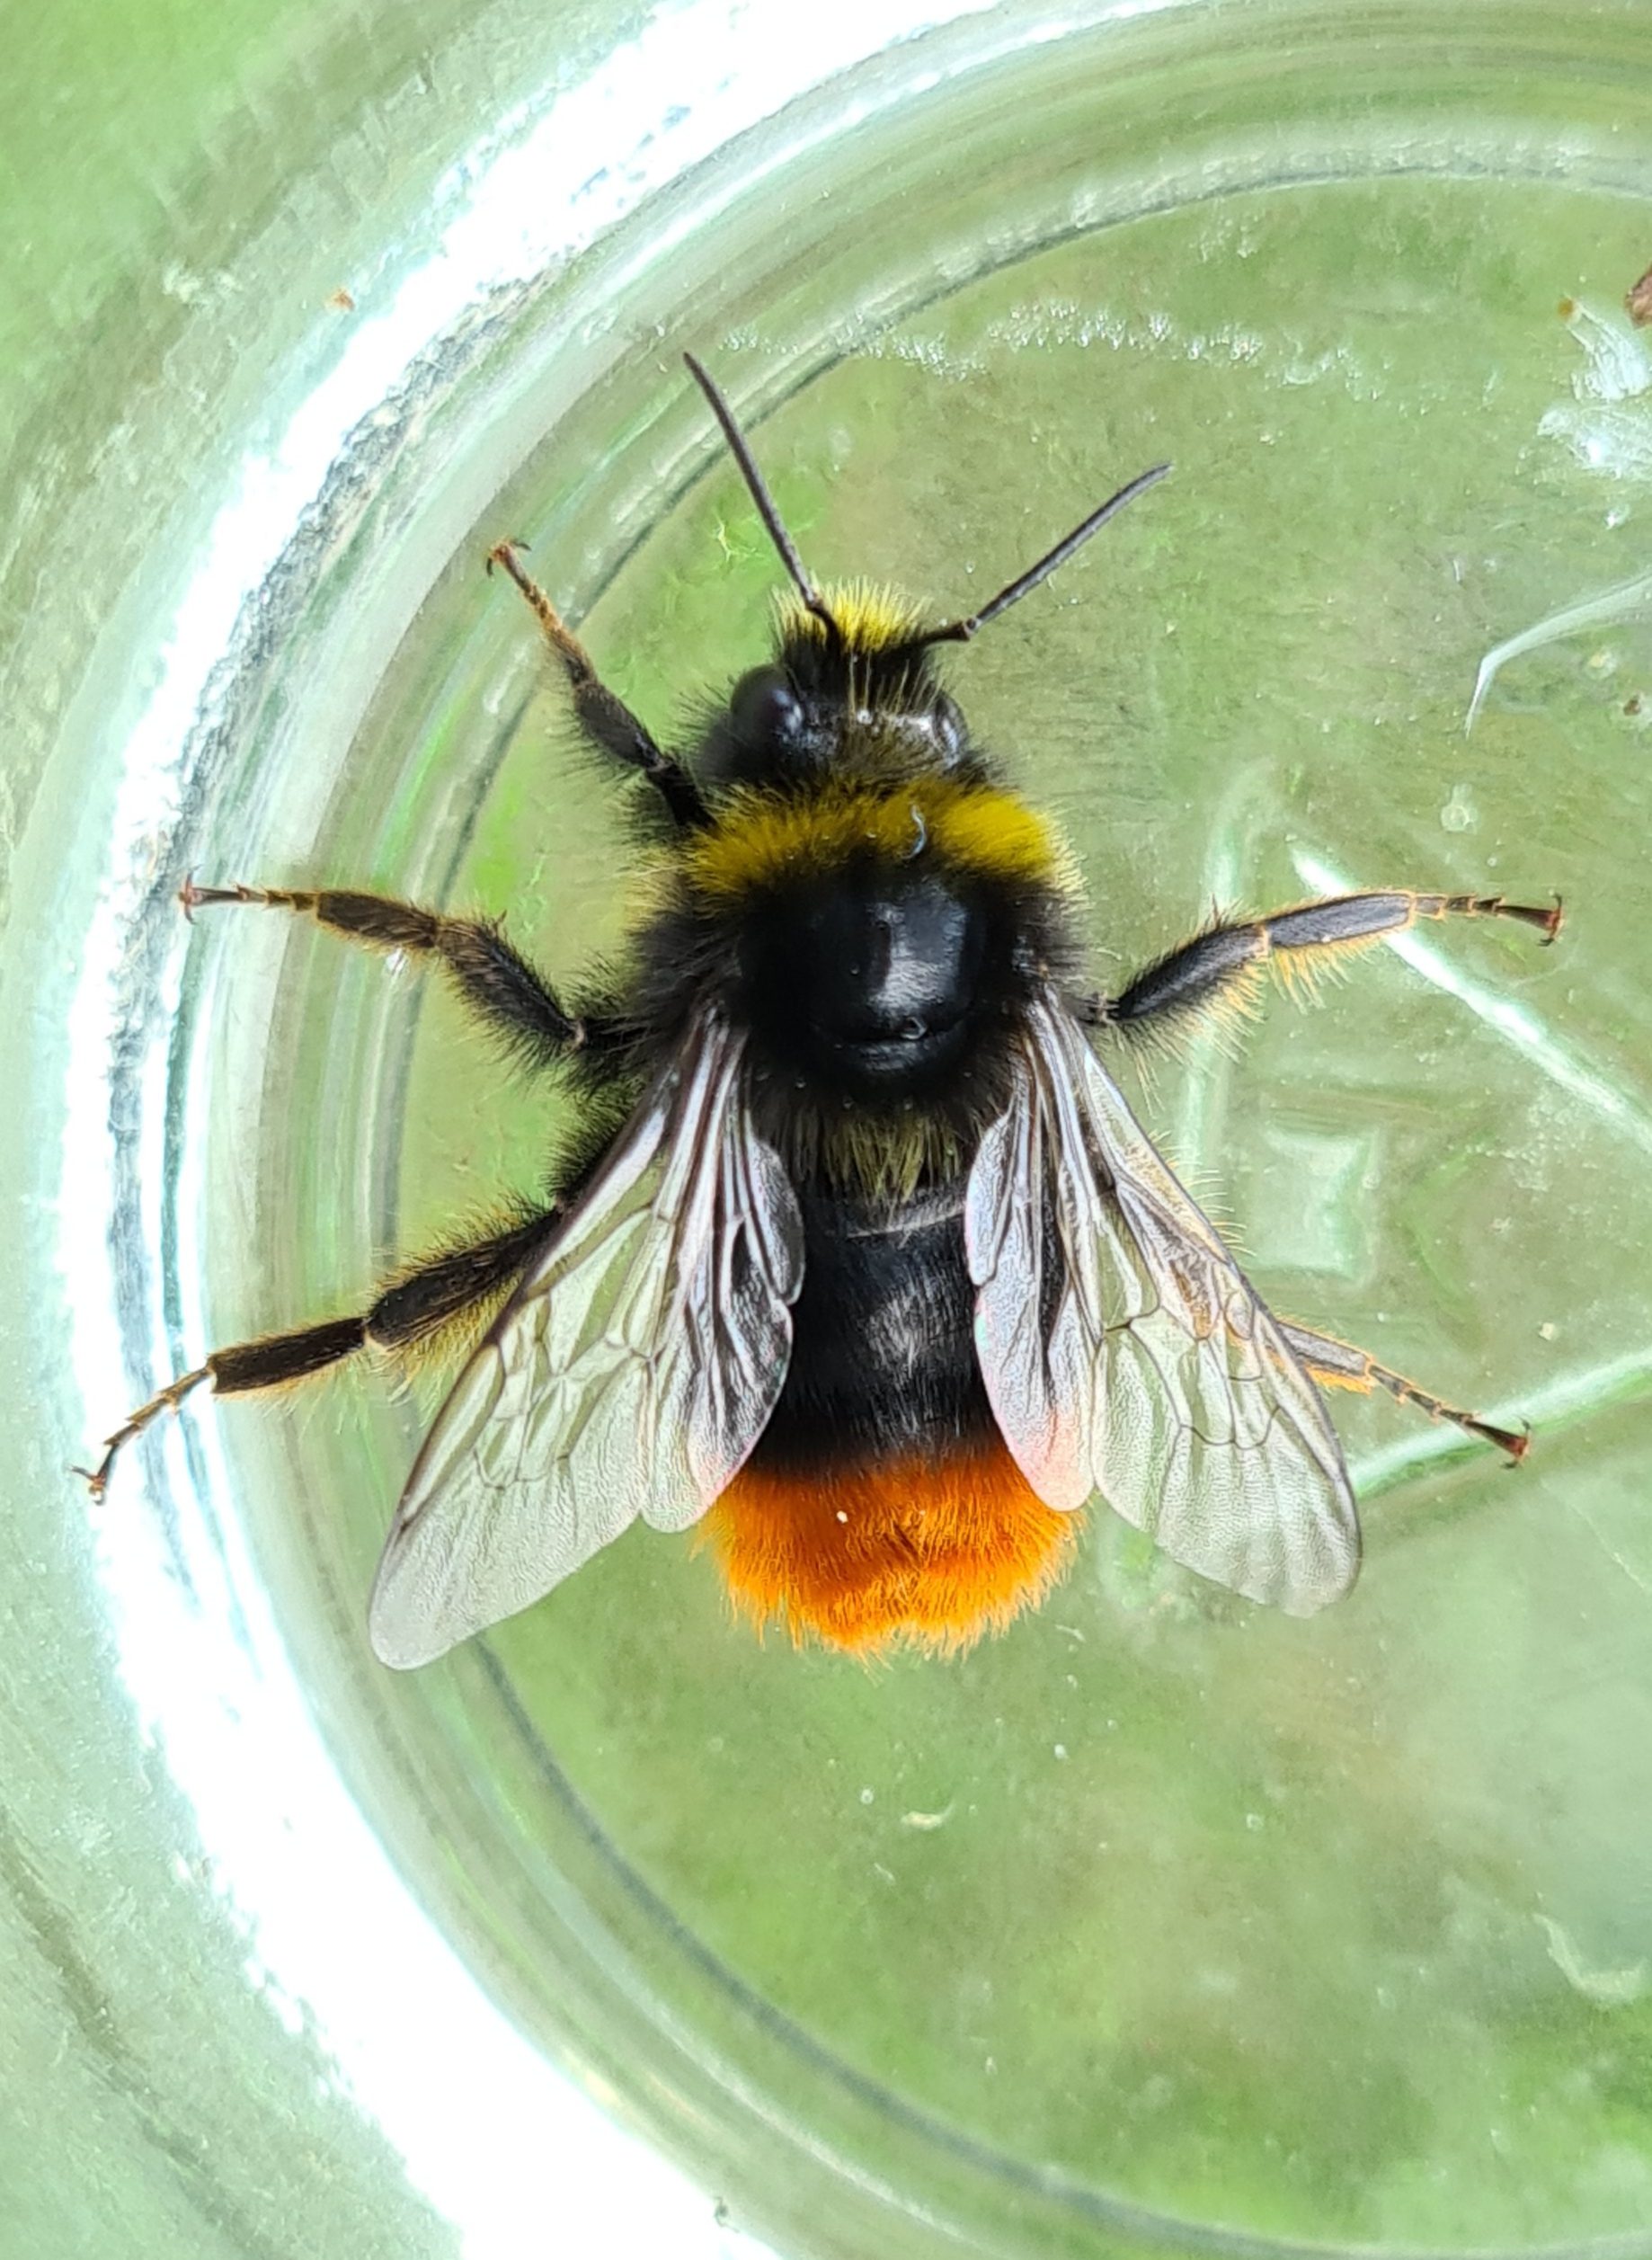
(1459, 813)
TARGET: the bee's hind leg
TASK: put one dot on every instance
(456, 1288)
(1336, 1364)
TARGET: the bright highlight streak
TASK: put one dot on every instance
(1628, 600)
(494, 2135)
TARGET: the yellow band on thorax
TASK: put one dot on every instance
(761, 840)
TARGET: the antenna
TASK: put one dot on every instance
(764, 499)
(960, 631)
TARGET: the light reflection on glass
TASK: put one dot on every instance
(334, 1939)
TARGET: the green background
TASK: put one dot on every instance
(1159, 1910)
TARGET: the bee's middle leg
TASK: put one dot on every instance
(1221, 968)
(516, 1003)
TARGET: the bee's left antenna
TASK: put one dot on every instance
(764, 499)
(960, 631)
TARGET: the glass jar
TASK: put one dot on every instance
(1160, 1922)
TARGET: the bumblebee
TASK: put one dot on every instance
(867, 1268)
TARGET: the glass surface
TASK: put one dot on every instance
(1161, 1922)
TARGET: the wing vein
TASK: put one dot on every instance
(1126, 1353)
(631, 1373)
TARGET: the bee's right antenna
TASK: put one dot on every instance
(764, 499)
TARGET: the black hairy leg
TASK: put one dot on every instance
(500, 987)
(1220, 970)
(452, 1288)
(1339, 1365)
(606, 719)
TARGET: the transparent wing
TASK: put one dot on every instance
(631, 1373)
(1124, 1352)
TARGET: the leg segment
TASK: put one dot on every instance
(501, 988)
(458, 1285)
(1336, 1364)
(1223, 967)
(606, 721)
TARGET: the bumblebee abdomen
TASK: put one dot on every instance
(882, 1336)
(880, 1502)
(931, 1551)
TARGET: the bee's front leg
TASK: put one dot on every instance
(604, 716)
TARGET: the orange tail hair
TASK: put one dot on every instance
(934, 1552)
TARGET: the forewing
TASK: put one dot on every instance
(631, 1373)
(1124, 1352)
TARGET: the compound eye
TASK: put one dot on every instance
(765, 709)
(948, 724)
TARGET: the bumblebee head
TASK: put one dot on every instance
(851, 688)
(848, 692)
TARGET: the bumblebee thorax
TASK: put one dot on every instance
(875, 933)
